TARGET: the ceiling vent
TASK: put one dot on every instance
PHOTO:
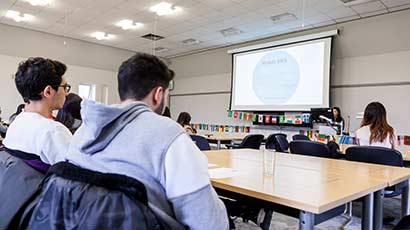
(231, 31)
(160, 49)
(190, 41)
(283, 18)
(152, 37)
(355, 2)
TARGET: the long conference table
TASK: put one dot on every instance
(309, 184)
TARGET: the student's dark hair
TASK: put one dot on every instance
(35, 74)
(184, 118)
(70, 111)
(339, 114)
(375, 116)
(20, 109)
(141, 73)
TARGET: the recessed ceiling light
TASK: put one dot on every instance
(283, 17)
(102, 36)
(191, 41)
(355, 2)
(160, 49)
(18, 17)
(230, 31)
(39, 2)
(164, 8)
(127, 24)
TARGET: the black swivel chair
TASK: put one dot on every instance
(282, 143)
(300, 137)
(252, 141)
(379, 155)
(310, 148)
(272, 142)
(201, 142)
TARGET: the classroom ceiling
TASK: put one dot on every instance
(195, 25)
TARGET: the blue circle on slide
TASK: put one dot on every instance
(276, 77)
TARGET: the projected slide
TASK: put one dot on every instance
(292, 77)
(275, 77)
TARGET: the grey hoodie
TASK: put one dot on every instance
(132, 140)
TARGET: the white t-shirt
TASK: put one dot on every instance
(35, 134)
(363, 135)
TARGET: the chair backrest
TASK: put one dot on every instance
(252, 141)
(19, 184)
(282, 143)
(201, 142)
(300, 137)
(309, 148)
(122, 196)
(375, 155)
(271, 142)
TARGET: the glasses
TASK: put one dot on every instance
(66, 87)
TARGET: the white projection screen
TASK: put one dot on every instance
(291, 77)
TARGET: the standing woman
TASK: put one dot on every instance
(338, 119)
(374, 130)
(184, 119)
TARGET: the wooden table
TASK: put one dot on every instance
(404, 152)
(309, 184)
(220, 138)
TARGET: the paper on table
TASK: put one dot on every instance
(220, 173)
(211, 165)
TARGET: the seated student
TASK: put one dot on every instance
(20, 108)
(135, 140)
(374, 129)
(32, 135)
(184, 119)
(70, 115)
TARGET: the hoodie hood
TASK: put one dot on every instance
(102, 123)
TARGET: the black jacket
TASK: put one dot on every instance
(76, 198)
(19, 185)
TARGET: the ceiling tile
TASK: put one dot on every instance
(395, 3)
(368, 7)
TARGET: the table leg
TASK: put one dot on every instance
(378, 210)
(306, 220)
(367, 212)
(405, 209)
(218, 144)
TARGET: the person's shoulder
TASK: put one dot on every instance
(364, 130)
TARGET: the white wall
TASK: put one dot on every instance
(75, 75)
(86, 62)
(371, 50)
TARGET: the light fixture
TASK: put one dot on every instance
(39, 2)
(18, 17)
(164, 8)
(102, 36)
(190, 41)
(283, 17)
(231, 31)
(160, 49)
(127, 24)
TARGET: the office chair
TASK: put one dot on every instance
(309, 148)
(378, 155)
(201, 142)
(282, 143)
(300, 137)
(383, 156)
(252, 141)
(271, 141)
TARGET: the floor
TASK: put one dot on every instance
(392, 207)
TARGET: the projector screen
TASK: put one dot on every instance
(293, 77)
